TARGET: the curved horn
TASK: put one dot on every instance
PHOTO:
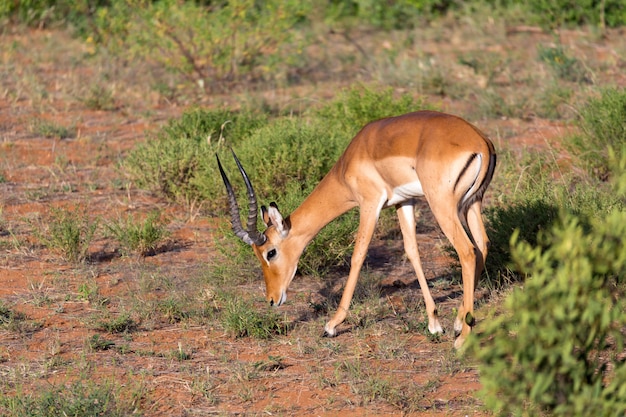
(251, 235)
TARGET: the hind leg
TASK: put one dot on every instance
(481, 241)
(450, 223)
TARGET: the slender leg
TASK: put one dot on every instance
(451, 226)
(406, 216)
(367, 223)
(477, 229)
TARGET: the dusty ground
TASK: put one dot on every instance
(384, 367)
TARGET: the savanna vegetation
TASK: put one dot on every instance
(287, 84)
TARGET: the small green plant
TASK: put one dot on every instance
(97, 343)
(87, 291)
(99, 98)
(371, 386)
(180, 354)
(172, 309)
(69, 231)
(123, 323)
(242, 319)
(139, 237)
(49, 129)
(602, 127)
(565, 67)
(273, 363)
(9, 319)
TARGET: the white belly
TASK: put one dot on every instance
(405, 192)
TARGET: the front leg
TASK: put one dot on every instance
(367, 223)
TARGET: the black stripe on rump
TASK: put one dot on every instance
(465, 168)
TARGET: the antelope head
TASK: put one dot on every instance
(278, 263)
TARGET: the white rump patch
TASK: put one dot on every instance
(475, 184)
(405, 192)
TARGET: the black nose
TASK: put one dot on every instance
(272, 302)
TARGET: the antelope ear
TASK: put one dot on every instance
(265, 216)
(276, 219)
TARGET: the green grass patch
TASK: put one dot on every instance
(14, 321)
(69, 232)
(242, 319)
(49, 129)
(141, 237)
(81, 398)
(122, 323)
(563, 65)
(602, 130)
(97, 343)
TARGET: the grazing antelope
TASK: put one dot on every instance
(389, 163)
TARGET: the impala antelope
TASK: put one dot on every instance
(390, 163)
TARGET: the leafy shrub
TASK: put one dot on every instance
(394, 14)
(532, 193)
(557, 13)
(212, 46)
(40, 13)
(178, 160)
(353, 108)
(290, 151)
(602, 128)
(555, 350)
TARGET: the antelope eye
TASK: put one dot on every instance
(271, 254)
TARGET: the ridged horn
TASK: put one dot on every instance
(251, 235)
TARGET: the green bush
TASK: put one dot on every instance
(388, 14)
(533, 213)
(178, 160)
(354, 107)
(556, 348)
(40, 13)
(602, 128)
(290, 151)
(211, 45)
(532, 191)
(558, 13)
